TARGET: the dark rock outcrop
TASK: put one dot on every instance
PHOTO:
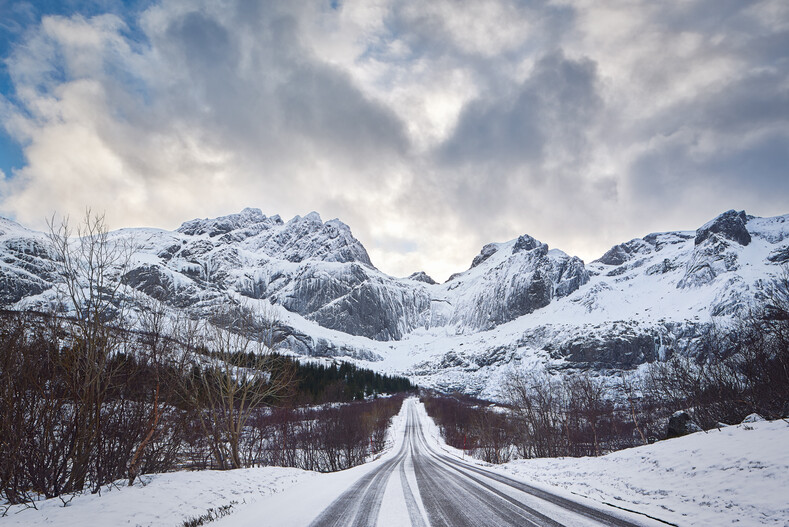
(421, 276)
(151, 280)
(661, 268)
(681, 424)
(524, 243)
(624, 351)
(779, 256)
(616, 255)
(486, 252)
(14, 286)
(730, 225)
(624, 252)
(568, 276)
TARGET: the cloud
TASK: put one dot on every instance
(551, 109)
(430, 129)
(216, 105)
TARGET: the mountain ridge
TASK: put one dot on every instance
(643, 299)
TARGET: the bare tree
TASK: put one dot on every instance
(157, 346)
(538, 402)
(587, 398)
(234, 374)
(629, 391)
(91, 264)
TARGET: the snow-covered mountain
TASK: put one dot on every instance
(518, 303)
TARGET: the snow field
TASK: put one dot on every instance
(737, 475)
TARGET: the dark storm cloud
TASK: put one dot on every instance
(757, 171)
(204, 42)
(511, 156)
(555, 103)
(273, 97)
(731, 141)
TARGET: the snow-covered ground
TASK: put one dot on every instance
(737, 475)
(161, 499)
(170, 499)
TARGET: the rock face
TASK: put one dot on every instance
(316, 269)
(680, 424)
(523, 243)
(353, 301)
(509, 280)
(27, 267)
(716, 249)
(486, 252)
(730, 225)
(299, 239)
(780, 255)
(614, 351)
(619, 254)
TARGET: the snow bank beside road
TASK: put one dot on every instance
(165, 500)
(738, 475)
(169, 499)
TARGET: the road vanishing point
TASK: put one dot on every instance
(418, 483)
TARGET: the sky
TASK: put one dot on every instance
(431, 128)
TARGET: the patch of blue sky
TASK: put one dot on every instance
(11, 155)
(19, 17)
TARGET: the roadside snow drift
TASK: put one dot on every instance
(161, 499)
(737, 475)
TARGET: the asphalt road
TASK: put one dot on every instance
(422, 485)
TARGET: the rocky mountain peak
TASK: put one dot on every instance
(521, 244)
(421, 276)
(309, 237)
(313, 217)
(301, 238)
(224, 224)
(730, 225)
(486, 252)
(525, 243)
(623, 252)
